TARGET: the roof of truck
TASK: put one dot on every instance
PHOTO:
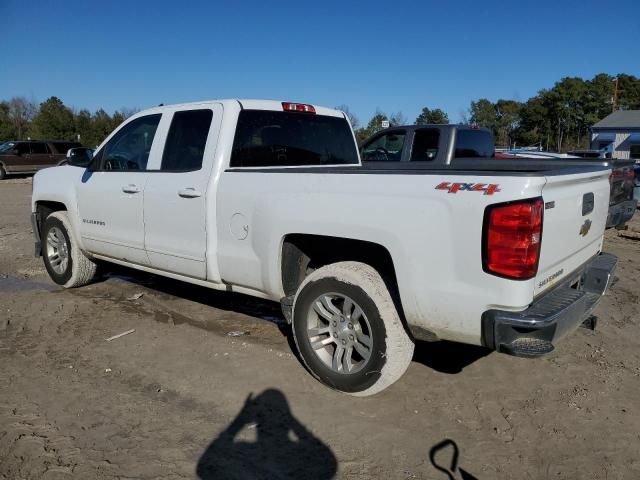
(249, 104)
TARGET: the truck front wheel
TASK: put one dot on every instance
(63, 259)
(348, 331)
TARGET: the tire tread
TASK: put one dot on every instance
(399, 346)
(83, 269)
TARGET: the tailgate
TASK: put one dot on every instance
(576, 209)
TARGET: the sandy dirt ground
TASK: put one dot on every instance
(179, 398)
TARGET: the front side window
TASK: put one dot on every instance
(129, 148)
(268, 138)
(184, 148)
(474, 144)
(425, 145)
(385, 148)
(634, 151)
(39, 148)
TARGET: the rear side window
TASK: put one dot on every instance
(268, 138)
(425, 145)
(474, 144)
(184, 148)
(39, 148)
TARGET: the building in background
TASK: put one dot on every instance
(618, 133)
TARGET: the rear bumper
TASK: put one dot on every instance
(533, 332)
(621, 213)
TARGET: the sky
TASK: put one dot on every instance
(367, 55)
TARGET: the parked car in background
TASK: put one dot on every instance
(29, 156)
(622, 201)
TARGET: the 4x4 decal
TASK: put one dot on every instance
(487, 188)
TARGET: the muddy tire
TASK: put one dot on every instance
(348, 331)
(63, 259)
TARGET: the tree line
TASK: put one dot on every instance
(21, 119)
(557, 118)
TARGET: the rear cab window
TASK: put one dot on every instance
(266, 138)
(474, 143)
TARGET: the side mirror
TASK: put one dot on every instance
(15, 151)
(79, 157)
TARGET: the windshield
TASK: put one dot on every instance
(5, 147)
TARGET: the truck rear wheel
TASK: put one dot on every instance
(63, 259)
(348, 331)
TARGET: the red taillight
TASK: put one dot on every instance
(511, 239)
(298, 107)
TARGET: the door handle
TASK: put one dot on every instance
(189, 192)
(131, 188)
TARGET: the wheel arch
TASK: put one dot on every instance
(44, 208)
(301, 254)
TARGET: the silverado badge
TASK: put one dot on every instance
(586, 226)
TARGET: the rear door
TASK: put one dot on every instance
(41, 155)
(110, 196)
(176, 197)
(576, 209)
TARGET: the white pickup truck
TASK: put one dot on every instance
(270, 199)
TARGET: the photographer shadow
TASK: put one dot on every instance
(281, 447)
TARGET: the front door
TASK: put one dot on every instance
(111, 192)
(175, 199)
(18, 158)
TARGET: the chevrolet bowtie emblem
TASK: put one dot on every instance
(586, 226)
